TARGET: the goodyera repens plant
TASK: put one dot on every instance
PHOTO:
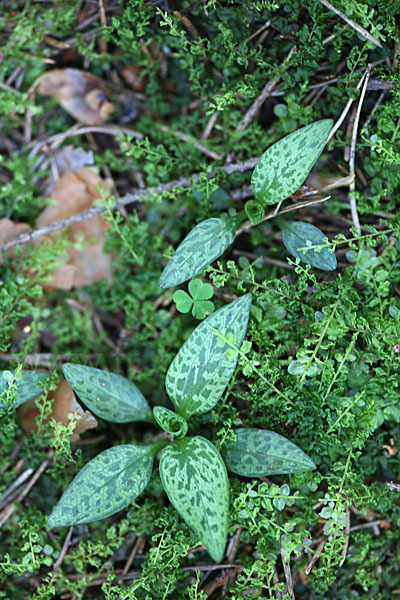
(193, 472)
(280, 171)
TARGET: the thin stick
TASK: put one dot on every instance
(247, 225)
(265, 93)
(352, 24)
(7, 512)
(371, 114)
(138, 196)
(210, 125)
(253, 35)
(5, 499)
(57, 139)
(65, 547)
(352, 187)
(141, 540)
(344, 113)
(103, 21)
(316, 555)
(347, 533)
(188, 138)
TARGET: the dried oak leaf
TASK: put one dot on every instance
(64, 404)
(9, 231)
(81, 94)
(75, 192)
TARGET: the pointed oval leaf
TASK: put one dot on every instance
(108, 395)
(283, 168)
(27, 385)
(258, 452)
(297, 234)
(194, 476)
(169, 421)
(200, 372)
(206, 242)
(105, 485)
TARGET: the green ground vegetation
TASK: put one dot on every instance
(321, 357)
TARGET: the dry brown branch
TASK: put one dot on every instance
(7, 512)
(103, 21)
(188, 138)
(316, 555)
(64, 549)
(347, 534)
(55, 140)
(253, 35)
(265, 93)
(138, 196)
(210, 125)
(352, 24)
(139, 545)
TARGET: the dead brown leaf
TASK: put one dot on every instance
(9, 231)
(64, 404)
(132, 76)
(81, 94)
(75, 192)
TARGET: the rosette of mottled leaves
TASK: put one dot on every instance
(193, 472)
(280, 171)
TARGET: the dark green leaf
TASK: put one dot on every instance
(258, 452)
(200, 372)
(206, 242)
(194, 476)
(105, 485)
(108, 395)
(169, 421)
(283, 168)
(296, 235)
(27, 385)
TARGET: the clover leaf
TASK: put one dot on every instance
(198, 300)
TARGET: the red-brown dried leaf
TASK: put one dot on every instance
(132, 76)
(64, 404)
(81, 94)
(9, 231)
(75, 192)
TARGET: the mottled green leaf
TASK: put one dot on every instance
(108, 395)
(169, 421)
(105, 485)
(258, 452)
(200, 372)
(18, 390)
(194, 476)
(283, 168)
(206, 242)
(304, 241)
